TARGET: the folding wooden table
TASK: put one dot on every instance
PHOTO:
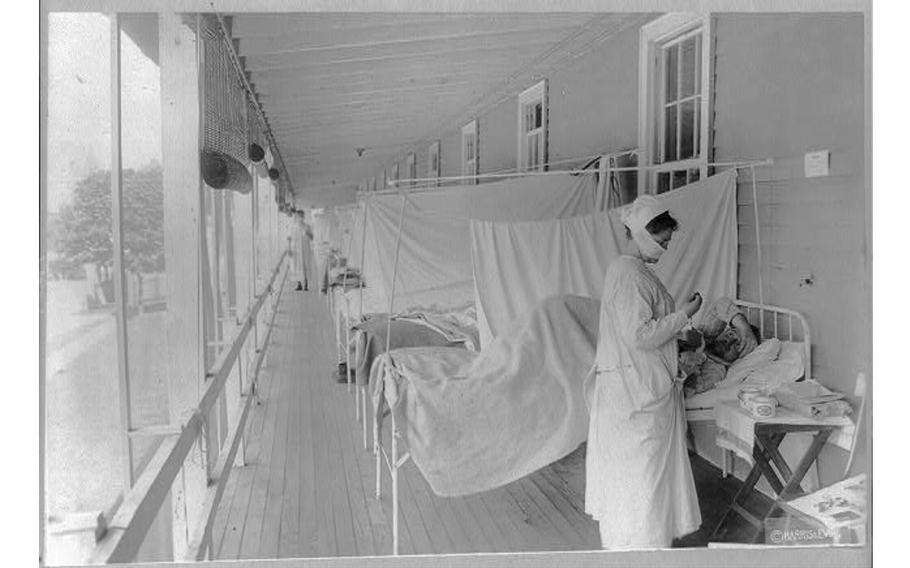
(768, 435)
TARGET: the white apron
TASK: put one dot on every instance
(639, 483)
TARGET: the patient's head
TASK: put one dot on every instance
(729, 345)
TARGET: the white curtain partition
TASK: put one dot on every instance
(329, 232)
(434, 267)
(518, 264)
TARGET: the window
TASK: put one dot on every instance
(433, 161)
(532, 128)
(86, 465)
(412, 168)
(469, 152)
(674, 77)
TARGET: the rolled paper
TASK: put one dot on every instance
(256, 153)
(220, 171)
(259, 159)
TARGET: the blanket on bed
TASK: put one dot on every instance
(476, 421)
(370, 341)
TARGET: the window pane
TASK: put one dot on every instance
(688, 71)
(698, 69)
(670, 133)
(143, 229)
(687, 130)
(84, 453)
(679, 178)
(538, 115)
(671, 57)
(694, 175)
(663, 182)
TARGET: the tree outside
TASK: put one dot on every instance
(85, 236)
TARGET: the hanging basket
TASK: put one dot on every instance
(274, 174)
(220, 171)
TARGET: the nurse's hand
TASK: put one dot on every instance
(693, 305)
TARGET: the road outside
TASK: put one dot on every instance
(84, 450)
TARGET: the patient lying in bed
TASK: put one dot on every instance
(722, 337)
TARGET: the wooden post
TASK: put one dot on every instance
(184, 226)
(119, 281)
(244, 289)
(219, 424)
(229, 307)
(254, 272)
(42, 259)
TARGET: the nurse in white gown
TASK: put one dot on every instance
(639, 483)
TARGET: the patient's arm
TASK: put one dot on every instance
(747, 339)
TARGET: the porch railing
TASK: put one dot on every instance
(127, 530)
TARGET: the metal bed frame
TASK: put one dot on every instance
(772, 321)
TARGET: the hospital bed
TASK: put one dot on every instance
(791, 329)
(477, 421)
(401, 371)
(361, 338)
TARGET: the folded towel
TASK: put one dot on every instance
(812, 399)
(820, 409)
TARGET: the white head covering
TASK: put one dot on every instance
(636, 217)
(641, 211)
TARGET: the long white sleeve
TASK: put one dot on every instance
(637, 322)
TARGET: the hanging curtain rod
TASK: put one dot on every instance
(402, 189)
(589, 161)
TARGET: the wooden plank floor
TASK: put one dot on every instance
(308, 486)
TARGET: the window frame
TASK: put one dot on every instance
(433, 172)
(537, 93)
(669, 29)
(470, 164)
(412, 168)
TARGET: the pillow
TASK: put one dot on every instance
(766, 352)
(787, 368)
(793, 353)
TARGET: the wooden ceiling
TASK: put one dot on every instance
(390, 83)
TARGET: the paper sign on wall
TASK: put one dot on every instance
(817, 163)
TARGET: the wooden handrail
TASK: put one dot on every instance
(202, 536)
(141, 504)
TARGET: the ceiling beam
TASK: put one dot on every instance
(291, 23)
(284, 80)
(383, 83)
(399, 39)
(427, 87)
(252, 25)
(367, 58)
(393, 105)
